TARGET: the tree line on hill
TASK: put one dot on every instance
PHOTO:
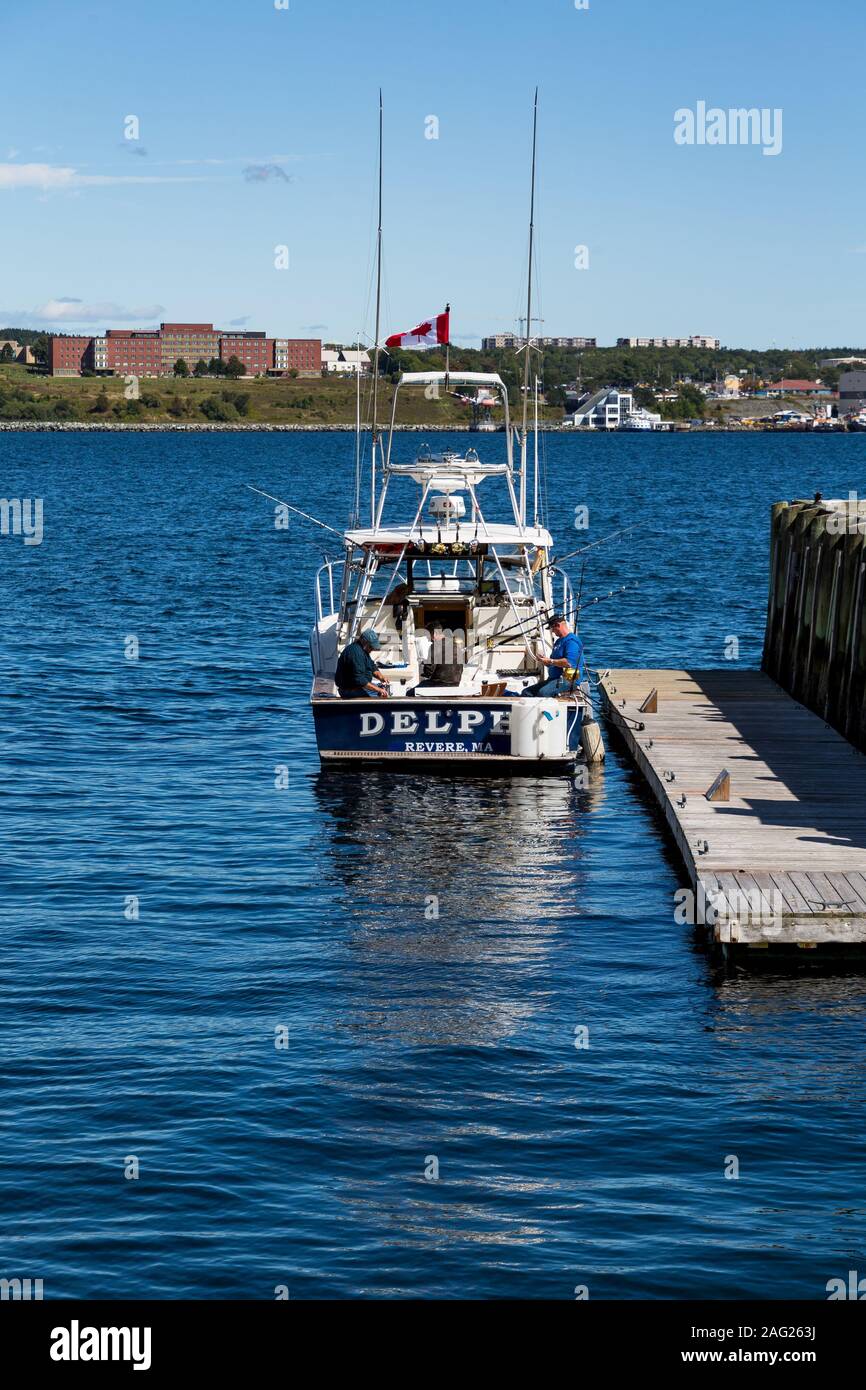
(644, 370)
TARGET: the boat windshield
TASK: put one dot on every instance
(474, 575)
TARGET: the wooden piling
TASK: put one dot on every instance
(815, 645)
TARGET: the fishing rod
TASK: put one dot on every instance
(570, 613)
(306, 515)
(591, 602)
(570, 555)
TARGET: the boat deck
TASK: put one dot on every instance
(784, 856)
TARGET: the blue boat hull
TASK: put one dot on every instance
(428, 731)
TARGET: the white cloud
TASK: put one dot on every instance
(64, 310)
(47, 177)
(35, 176)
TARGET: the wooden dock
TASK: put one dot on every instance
(782, 861)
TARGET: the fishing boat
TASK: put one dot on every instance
(460, 602)
(454, 575)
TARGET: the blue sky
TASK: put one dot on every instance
(258, 125)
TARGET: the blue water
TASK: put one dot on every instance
(411, 1037)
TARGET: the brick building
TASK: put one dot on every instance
(253, 349)
(69, 355)
(297, 354)
(154, 351)
(194, 342)
(129, 353)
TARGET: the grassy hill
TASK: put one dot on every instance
(304, 401)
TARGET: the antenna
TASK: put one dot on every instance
(374, 431)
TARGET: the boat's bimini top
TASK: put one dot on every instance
(448, 472)
(494, 533)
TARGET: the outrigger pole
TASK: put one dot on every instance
(523, 436)
(374, 430)
(569, 555)
(306, 515)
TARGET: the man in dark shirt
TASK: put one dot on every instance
(567, 655)
(357, 677)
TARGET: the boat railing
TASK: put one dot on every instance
(566, 602)
(325, 581)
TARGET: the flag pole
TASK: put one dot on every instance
(448, 346)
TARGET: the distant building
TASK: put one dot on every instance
(154, 351)
(20, 352)
(696, 341)
(844, 361)
(131, 352)
(729, 388)
(514, 341)
(345, 360)
(253, 349)
(852, 392)
(603, 410)
(797, 386)
(69, 354)
(193, 342)
(300, 355)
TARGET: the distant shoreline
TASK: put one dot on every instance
(207, 427)
(262, 427)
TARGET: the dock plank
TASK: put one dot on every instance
(787, 852)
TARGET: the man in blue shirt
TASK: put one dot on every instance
(357, 677)
(567, 655)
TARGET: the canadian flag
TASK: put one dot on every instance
(428, 333)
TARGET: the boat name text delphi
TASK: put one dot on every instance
(408, 722)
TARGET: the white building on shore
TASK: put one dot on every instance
(345, 361)
(695, 341)
(513, 340)
(603, 410)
